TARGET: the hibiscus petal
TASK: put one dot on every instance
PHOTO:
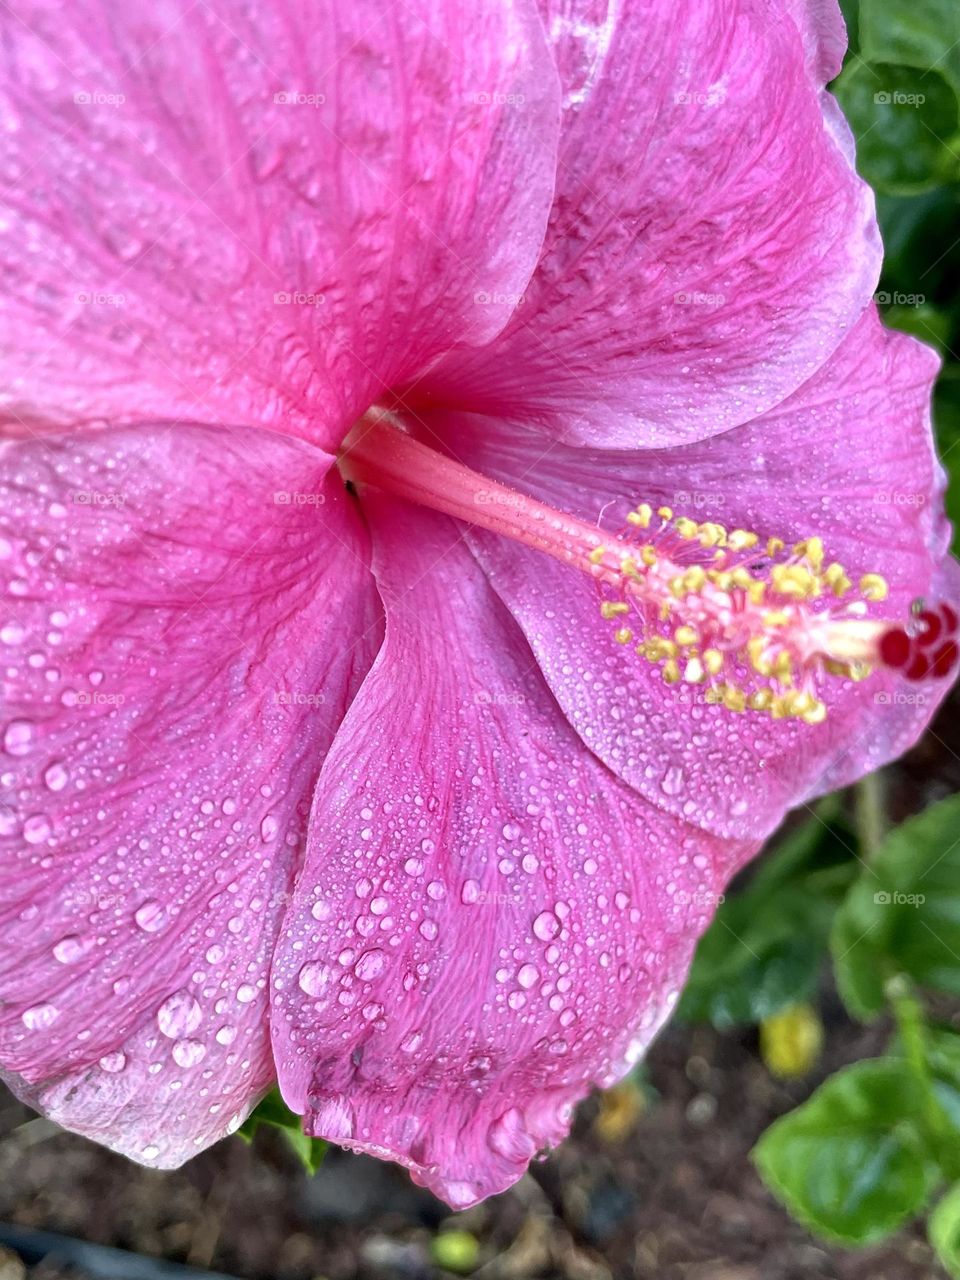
(177, 659)
(710, 241)
(850, 458)
(263, 213)
(488, 921)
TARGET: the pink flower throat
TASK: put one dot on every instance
(757, 624)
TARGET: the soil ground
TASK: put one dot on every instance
(674, 1197)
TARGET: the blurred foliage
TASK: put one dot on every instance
(273, 1113)
(909, 150)
(878, 1143)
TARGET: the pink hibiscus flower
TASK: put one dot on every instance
(402, 762)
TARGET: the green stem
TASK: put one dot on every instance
(870, 809)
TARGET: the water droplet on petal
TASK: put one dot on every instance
(179, 1015)
(187, 1053)
(40, 1016)
(370, 965)
(71, 949)
(546, 926)
(18, 738)
(150, 916)
(313, 977)
(55, 776)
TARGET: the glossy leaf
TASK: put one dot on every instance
(903, 913)
(851, 1163)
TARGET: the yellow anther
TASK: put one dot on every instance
(693, 672)
(740, 539)
(817, 712)
(756, 591)
(628, 567)
(713, 661)
(756, 651)
(812, 552)
(658, 648)
(642, 516)
(665, 513)
(694, 579)
(712, 534)
(775, 618)
(874, 587)
(836, 579)
(795, 581)
(714, 697)
(775, 546)
(597, 554)
(613, 608)
(671, 671)
(623, 635)
(783, 667)
(687, 528)
(742, 578)
(722, 581)
(760, 700)
(686, 636)
(734, 699)
(677, 587)
(648, 556)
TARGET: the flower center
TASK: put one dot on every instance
(755, 622)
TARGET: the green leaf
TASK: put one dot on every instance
(850, 1163)
(943, 1228)
(946, 416)
(764, 948)
(915, 33)
(903, 913)
(273, 1112)
(905, 124)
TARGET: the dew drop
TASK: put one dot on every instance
(150, 916)
(313, 977)
(55, 776)
(370, 965)
(72, 949)
(40, 1016)
(179, 1015)
(18, 738)
(187, 1053)
(546, 926)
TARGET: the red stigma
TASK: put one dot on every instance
(927, 651)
